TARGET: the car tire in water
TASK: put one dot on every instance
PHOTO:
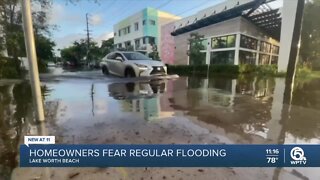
(130, 73)
(130, 87)
(105, 70)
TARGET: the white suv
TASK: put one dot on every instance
(131, 64)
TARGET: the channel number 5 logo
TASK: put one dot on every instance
(297, 154)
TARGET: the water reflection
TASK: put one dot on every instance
(249, 106)
(253, 106)
(16, 120)
(142, 98)
(242, 110)
(14, 110)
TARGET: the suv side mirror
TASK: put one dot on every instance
(119, 58)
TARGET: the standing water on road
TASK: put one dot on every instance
(186, 110)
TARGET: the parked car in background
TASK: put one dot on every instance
(51, 64)
(131, 64)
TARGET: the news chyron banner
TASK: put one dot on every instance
(40, 151)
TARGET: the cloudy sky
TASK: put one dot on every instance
(71, 18)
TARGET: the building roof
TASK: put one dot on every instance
(256, 11)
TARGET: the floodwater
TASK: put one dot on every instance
(186, 110)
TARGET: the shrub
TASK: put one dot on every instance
(247, 68)
(9, 68)
(224, 69)
(10, 72)
(267, 70)
(303, 71)
(203, 69)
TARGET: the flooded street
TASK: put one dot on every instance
(86, 107)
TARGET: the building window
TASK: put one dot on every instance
(120, 45)
(223, 42)
(144, 40)
(199, 59)
(275, 49)
(222, 57)
(137, 43)
(152, 22)
(274, 60)
(265, 47)
(202, 45)
(246, 57)
(136, 26)
(264, 59)
(115, 34)
(111, 56)
(152, 40)
(119, 32)
(128, 29)
(248, 42)
(144, 22)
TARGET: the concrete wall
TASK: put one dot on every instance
(167, 44)
(181, 41)
(126, 22)
(233, 26)
(164, 18)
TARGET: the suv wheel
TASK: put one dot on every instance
(130, 73)
(105, 70)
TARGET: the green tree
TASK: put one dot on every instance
(107, 46)
(44, 47)
(310, 35)
(196, 57)
(11, 23)
(69, 55)
(95, 54)
(77, 53)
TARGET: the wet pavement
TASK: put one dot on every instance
(87, 107)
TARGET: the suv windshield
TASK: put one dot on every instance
(135, 56)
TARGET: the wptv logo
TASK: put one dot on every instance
(297, 154)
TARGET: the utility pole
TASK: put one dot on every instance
(88, 38)
(32, 58)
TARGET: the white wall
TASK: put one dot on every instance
(138, 17)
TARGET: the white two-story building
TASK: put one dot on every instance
(141, 31)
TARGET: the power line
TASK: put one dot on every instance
(117, 13)
(104, 8)
(164, 4)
